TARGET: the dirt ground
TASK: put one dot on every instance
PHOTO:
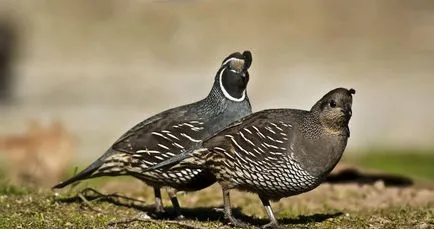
(347, 188)
(364, 201)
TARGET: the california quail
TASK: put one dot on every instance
(275, 153)
(183, 128)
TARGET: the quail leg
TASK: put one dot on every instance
(175, 203)
(228, 210)
(273, 222)
(158, 201)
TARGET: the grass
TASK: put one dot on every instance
(13, 190)
(329, 206)
(413, 163)
(39, 209)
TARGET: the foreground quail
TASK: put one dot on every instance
(169, 133)
(275, 153)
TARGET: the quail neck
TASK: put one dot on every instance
(332, 112)
(228, 96)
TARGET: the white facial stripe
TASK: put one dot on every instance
(230, 59)
(227, 95)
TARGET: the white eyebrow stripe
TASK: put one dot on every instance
(230, 59)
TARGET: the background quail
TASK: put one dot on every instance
(275, 153)
(169, 133)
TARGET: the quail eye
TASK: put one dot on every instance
(332, 104)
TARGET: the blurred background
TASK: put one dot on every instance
(75, 75)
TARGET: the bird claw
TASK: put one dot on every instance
(142, 216)
(236, 223)
(222, 210)
(179, 217)
(159, 209)
(272, 225)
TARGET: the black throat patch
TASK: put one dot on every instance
(233, 83)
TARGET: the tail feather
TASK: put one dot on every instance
(86, 173)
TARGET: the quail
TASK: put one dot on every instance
(275, 153)
(168, 133)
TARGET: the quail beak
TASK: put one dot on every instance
(347, 112)
(245, 76)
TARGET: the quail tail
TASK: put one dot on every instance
(85, 174)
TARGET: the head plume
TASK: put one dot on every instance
(238, 62)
